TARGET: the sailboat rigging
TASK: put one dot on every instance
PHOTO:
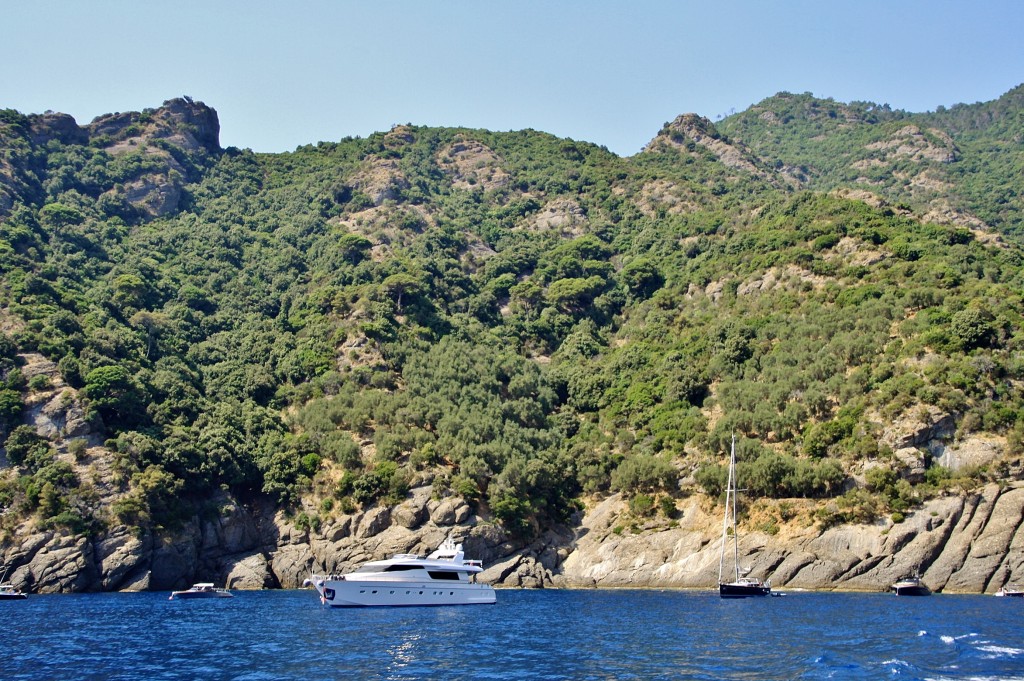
(740, 587)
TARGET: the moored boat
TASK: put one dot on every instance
(444, 577)
(8, 592)
(740, 587)
(911, 585)
(1011, 591)
(201, 590)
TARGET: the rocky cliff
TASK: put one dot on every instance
(966, 543)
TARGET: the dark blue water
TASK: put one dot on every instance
(260, 636)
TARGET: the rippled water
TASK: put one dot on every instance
(552, 634)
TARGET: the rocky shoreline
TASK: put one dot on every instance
(968, 543)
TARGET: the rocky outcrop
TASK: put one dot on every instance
(472, 164)
(563, 216)
(690, 129)
(171, 142)
(56, 126)
(913, 143)
(970, 544)
(380, 180)
(189, 125)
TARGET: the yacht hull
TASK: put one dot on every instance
(363, 594)
(743, 590)
(187, 595)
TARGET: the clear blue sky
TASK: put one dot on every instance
(285, 73)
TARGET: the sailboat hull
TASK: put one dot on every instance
(743, 590)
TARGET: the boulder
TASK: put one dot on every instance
(449, 511)
(290, 565)
(412, 512)
(374, 522)
(974, 452)
(64, 565)
(912, 463)
(338, 529)
(248, 572)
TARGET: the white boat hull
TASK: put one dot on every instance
(361, 594)
(186, 595)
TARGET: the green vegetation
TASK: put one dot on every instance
(520, 319)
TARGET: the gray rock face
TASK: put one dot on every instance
(975, 451)
(250, 572)
(117, 555)
(966, 545)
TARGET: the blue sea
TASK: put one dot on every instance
(543, 634)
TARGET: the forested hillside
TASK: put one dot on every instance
(523, 321)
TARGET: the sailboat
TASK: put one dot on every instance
(740, 587)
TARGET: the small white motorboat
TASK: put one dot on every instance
(911, 585)
(201, 590)
(8, 592)
(1011, 591)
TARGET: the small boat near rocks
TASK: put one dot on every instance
(911, 585)
(8, 592)
(1011, 591)
(201, 590)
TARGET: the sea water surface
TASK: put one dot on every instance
(542, 634)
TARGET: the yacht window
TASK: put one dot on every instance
(401, 568)
(439, 574)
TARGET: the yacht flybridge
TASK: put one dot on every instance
(444, 577)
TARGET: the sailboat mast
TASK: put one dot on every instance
(725, 516)
(735, 484)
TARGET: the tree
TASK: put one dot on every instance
(112, 391)
(641, 277)
(26, 448)
(353, 247)
(972, 327)
(402, 284)
(644, 473)
(11, 407)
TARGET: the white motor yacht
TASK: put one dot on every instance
(444, 577)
